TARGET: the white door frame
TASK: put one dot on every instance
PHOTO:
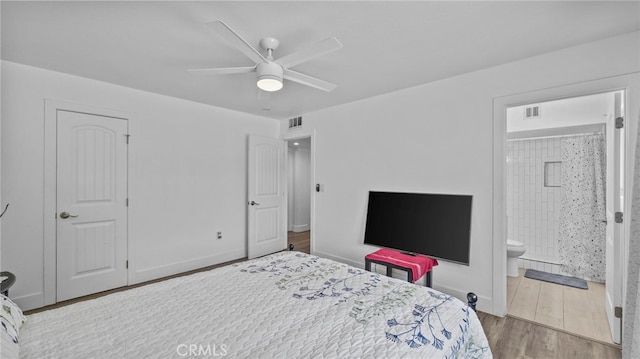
(630, 83)
(297, 135)
(50, 186)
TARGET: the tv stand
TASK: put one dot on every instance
(416, 266)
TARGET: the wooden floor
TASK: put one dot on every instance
(513, 338)
(574, 310)
(300, 241)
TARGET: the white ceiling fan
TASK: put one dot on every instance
(271, 72)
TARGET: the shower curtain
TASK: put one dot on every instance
(582, 232)
(631, 314)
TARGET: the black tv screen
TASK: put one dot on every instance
(435, 225)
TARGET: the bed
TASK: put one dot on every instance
(285, 305)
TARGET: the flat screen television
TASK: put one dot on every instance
(435, 225)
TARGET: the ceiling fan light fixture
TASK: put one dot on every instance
(269, 76)
(269, 83)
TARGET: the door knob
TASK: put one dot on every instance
(254, 203)
(67, 215)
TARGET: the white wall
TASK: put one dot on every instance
(299, 189)
(290, 187)
(301, 216)
(563, 113)
(187, 176)
(437, 138)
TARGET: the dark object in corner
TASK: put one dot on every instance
(7, 283)
(291, 246)
(472, 299)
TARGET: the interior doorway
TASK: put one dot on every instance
(538, 185)
(91, 195)
(299, 193)
(90, 146)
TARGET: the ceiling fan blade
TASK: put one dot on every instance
(223, 70)
(310, 52)
(308, 80)
(236, 40)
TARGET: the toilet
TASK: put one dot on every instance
(514, 250)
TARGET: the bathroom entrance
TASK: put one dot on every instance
(564, 187)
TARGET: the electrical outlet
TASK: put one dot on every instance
(219, 235)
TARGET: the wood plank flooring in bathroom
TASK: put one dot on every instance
(573, 310)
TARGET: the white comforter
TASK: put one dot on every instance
(286, 305)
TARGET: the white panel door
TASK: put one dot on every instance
(267, 226)
(615, 231)
(91, 231)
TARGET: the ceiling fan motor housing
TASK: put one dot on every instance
(269, 76)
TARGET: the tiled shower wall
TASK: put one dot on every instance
(533, 206)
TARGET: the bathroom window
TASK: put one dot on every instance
(552, 171)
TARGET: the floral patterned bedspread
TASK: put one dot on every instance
(413, 320)
(285, 305)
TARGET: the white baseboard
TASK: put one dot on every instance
(29, 301)
(301, 228)
(143, 275)
(485, 304)
(340, 259)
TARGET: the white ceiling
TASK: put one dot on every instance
(388, 46)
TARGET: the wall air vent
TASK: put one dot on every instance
(531, 111)
(295, 123)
